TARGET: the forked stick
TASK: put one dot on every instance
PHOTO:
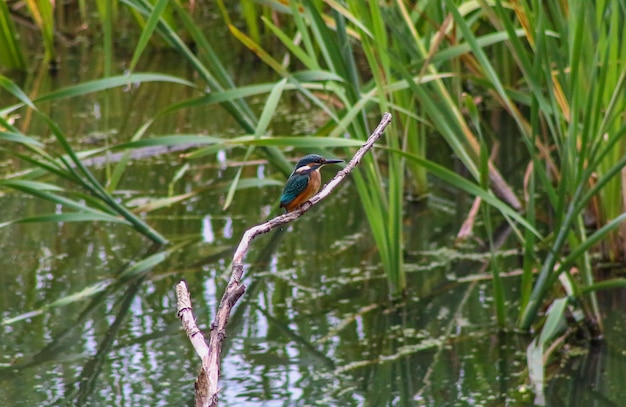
(206, 384)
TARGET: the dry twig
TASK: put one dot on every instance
(206, 385)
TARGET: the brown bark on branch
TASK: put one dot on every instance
(206, 385)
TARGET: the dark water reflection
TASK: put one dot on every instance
(316, 326)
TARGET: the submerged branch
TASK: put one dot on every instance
(211, 356)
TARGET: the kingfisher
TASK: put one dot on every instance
(304, 181)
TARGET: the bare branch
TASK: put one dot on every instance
(195, 335)
(234, 290)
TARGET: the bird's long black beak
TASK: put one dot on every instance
(332, 162)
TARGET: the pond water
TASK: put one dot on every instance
(316, 325)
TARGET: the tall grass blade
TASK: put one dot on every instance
(262, 125)
(43, 14)
(11, 55)
(147, 32)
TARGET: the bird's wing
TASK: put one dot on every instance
(295, 185)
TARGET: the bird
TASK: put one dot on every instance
(304, 181)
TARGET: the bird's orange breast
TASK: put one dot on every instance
(315, 181)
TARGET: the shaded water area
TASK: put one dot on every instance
(316, 325)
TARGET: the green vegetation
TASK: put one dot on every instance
(555, 68)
